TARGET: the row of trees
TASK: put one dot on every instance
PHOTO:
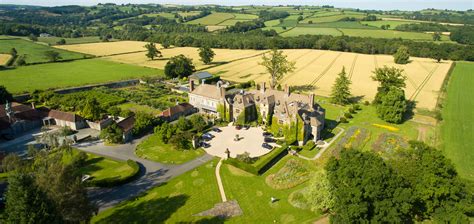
(180, 134)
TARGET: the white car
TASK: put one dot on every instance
(85, 177)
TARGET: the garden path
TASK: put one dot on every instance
(219, 181)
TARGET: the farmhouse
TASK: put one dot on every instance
(127, 126)
(63, 119)
(173, 113)
(16, 118)
(207, 98)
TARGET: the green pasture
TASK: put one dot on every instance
(457, 129)
(379, 23)
(390, 34)
(34, 52)
(68, 74)
(213, 19)
(312, 31)
(79, 40)
(340, 24)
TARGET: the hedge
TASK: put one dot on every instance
(116, 182)
(262, 164)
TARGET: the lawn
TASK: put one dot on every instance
(153, 149)
(175, 201)
(253, 195)
(34, 52)
(457, 129)
(101, 168)
(139, 108)
(79, 40)
(311, 31)
(67, 74)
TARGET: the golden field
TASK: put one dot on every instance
(4, 58)
(316, 70)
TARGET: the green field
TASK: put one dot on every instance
(312, 31)
(34, 52)
(341, 24)
(213, 19)
(67, 74)
(174, 202)
(79, 40)
(457, 129)
(390, 34)
(271, 23)
(331, 17)
(153, 149)
(379, 23)
(232, 22)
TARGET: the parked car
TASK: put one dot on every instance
(238, 127)
(205, 145)
(217, 130)
(85, 178)
(246, 127)
(267, 146)
(267, 134)
(268, 139)
(208, 135)
(206, 138)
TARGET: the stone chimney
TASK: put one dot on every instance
(191, 85)
(222, 92)
(263, 88)
(311, 99)
(287, 90)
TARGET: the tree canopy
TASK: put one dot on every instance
(179, 66)
(5, 95)
(402, 56)
(277, 65)
(52, 56)
(340, 93)
(387, 77)
(152, 51)
(392, 106)
(206, 54)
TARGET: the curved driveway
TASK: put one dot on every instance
(151, 173)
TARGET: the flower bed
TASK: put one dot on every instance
(292, 174)
(388, 143)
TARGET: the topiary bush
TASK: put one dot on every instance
(348, 115)
(342, 120)
(351, 110)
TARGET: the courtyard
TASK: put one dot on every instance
(250, 140)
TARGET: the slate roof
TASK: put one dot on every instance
(61, 115)
(180, 108)
(127, 123)
(209, 91)
(200, 75)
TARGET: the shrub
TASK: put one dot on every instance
(262, 164)
(351, 110)
(309, 145)
(348, 115)
(356, 107)
(342, 120)
(245, 157)
(367, 103)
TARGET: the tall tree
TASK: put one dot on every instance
(319, 194)
(402, 56)
(5, 95)
(206, 54)
(112, 134)
(152, 51)
(52, 56)
(91, 110)
(387, 77)
(26, 203)
(277, 65)
(179, 66)
(143, 121)
(392, 106)
(198, 122)
(341, 93)
(366, 190)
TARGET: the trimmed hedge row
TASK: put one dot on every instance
(116, 182)
(262, 164)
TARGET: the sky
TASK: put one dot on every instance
(362, 4)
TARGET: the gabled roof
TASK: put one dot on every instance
(180, 108)
(64, 116)
(127, 123)
(201, 75)
(209, 91)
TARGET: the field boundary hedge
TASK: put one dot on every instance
(262, 164)
(116, 182)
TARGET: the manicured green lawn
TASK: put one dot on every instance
(101, 168)
(175, 201)
(254, 195)
(67, 74)
(34, 52)
(457, 129)
(153, 149)
(79, 40)
(139, 108)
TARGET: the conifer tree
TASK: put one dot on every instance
(340, 93)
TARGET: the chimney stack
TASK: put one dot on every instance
(311, 99)
(287, 90)
(222, 91)
(191, 85)
(263, 88)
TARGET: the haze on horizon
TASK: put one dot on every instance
(364, 4)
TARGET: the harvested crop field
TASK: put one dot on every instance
(107, 48)
(4, 58)
(316, 71)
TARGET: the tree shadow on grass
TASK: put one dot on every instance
(211, 220)
(356, 99)
(151, 211)
(411, 105)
